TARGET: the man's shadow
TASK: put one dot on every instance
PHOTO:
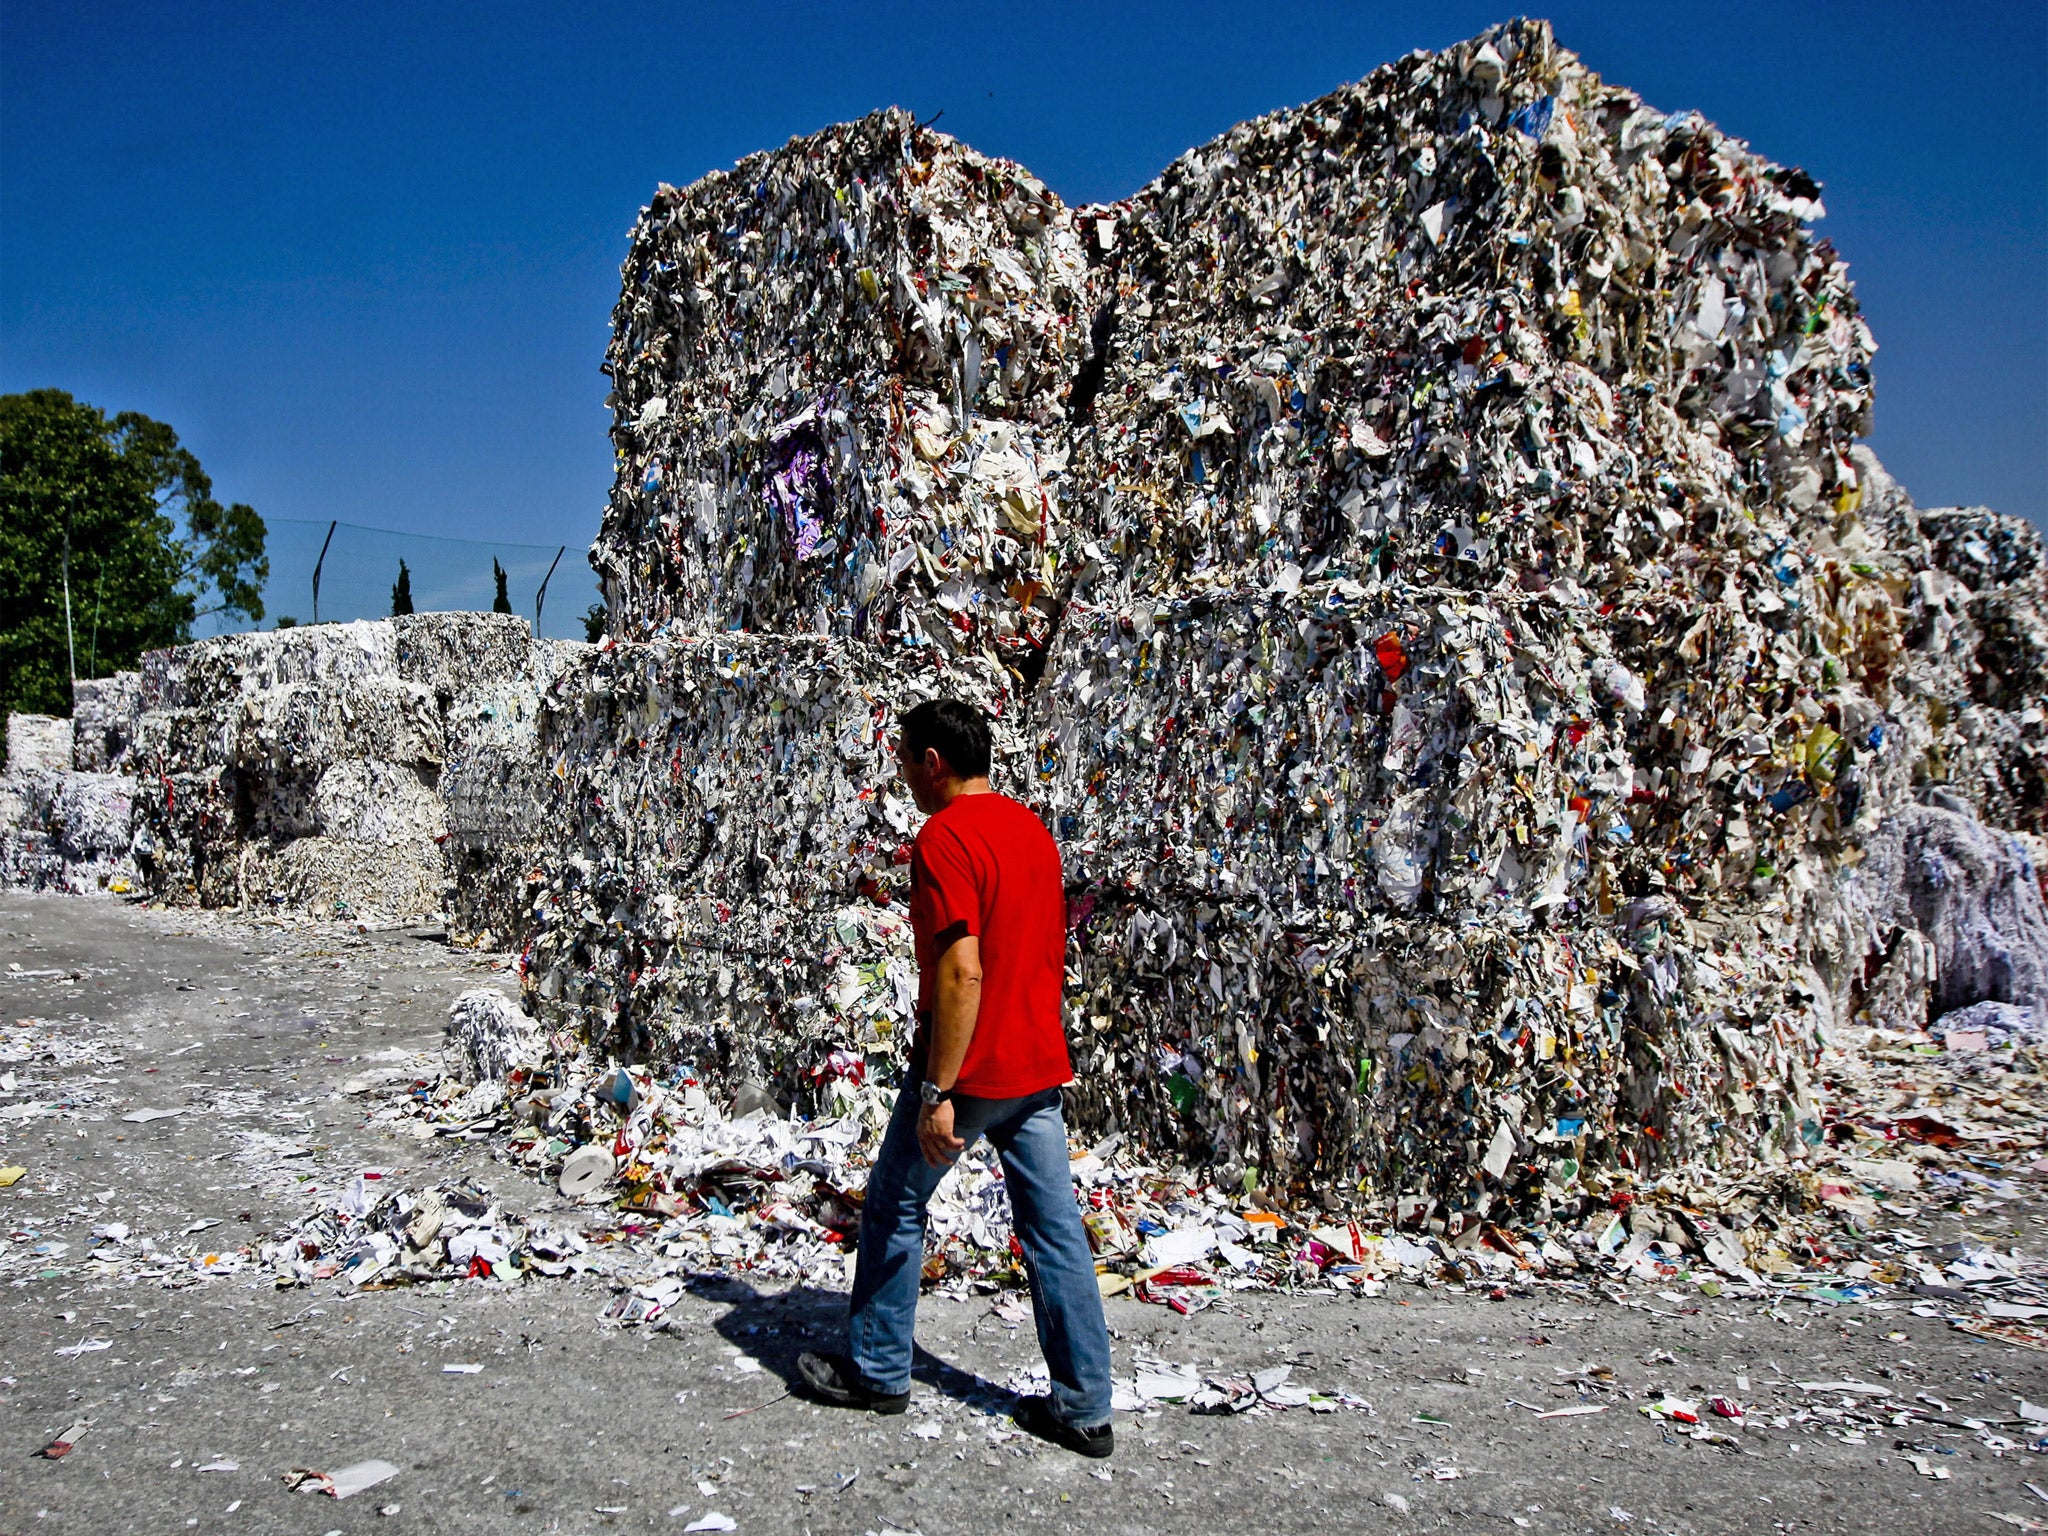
(774, 1327)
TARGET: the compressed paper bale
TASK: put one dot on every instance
(491, 771)
(366, 801)
(327, 654)
(103, 718)
(165, 836)
(1965, 684)
(29, 795)
(30, 860)
(1975, 894)
(1325, 749)
(460, 652)
(1941, 912)
(64, 831)
(1997, 747)
(39, 742)
(371, 882)
(492, 778)
(161, 675)
(190, 847)
(1997, 764)
(1383, 1060)
(720, 800)
(96, 813)
(209, 672)
(898, 471)
(1224, 744)
(488, 1035)
(1208, 1037)
(744, 1000)
(1251, 757)
(1326, 350)
(16, 798)
(491, 784)
(2012, 653)
(310, 725)
(31, 856)
(1446, 438)
(224, 836)
(489, 892)
(258, 700)
(170, 736)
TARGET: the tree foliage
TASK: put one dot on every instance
(150, 549)
(502, 602)
(401, 592)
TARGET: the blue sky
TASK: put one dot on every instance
(363, 258)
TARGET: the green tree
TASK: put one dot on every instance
(501, 603)
(593, 623)
(124, 511)
(401, 592)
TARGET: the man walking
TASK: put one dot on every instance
(988, 910)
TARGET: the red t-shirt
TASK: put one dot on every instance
(986, 866)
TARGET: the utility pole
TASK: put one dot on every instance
(92, 665)
(70, 642)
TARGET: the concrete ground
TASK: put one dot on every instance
(206, 1394)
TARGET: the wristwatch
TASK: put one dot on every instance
(932, 1093)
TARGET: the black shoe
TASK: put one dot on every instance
(1034, 1416)
(837, 1380)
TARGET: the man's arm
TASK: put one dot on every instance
(956, 1008)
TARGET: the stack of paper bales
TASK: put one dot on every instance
(1448, 622)
(302, 767)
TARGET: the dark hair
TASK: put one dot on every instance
(958, 730)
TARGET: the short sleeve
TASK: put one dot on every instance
(946, 898)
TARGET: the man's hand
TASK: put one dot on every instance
(935, 1135)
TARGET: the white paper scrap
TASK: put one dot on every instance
(355, 1478)
(1169, 1249)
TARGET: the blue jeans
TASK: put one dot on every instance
(1030, 1136)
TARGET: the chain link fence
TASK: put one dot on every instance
(359, 568)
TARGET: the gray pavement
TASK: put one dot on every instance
(573, 1425)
